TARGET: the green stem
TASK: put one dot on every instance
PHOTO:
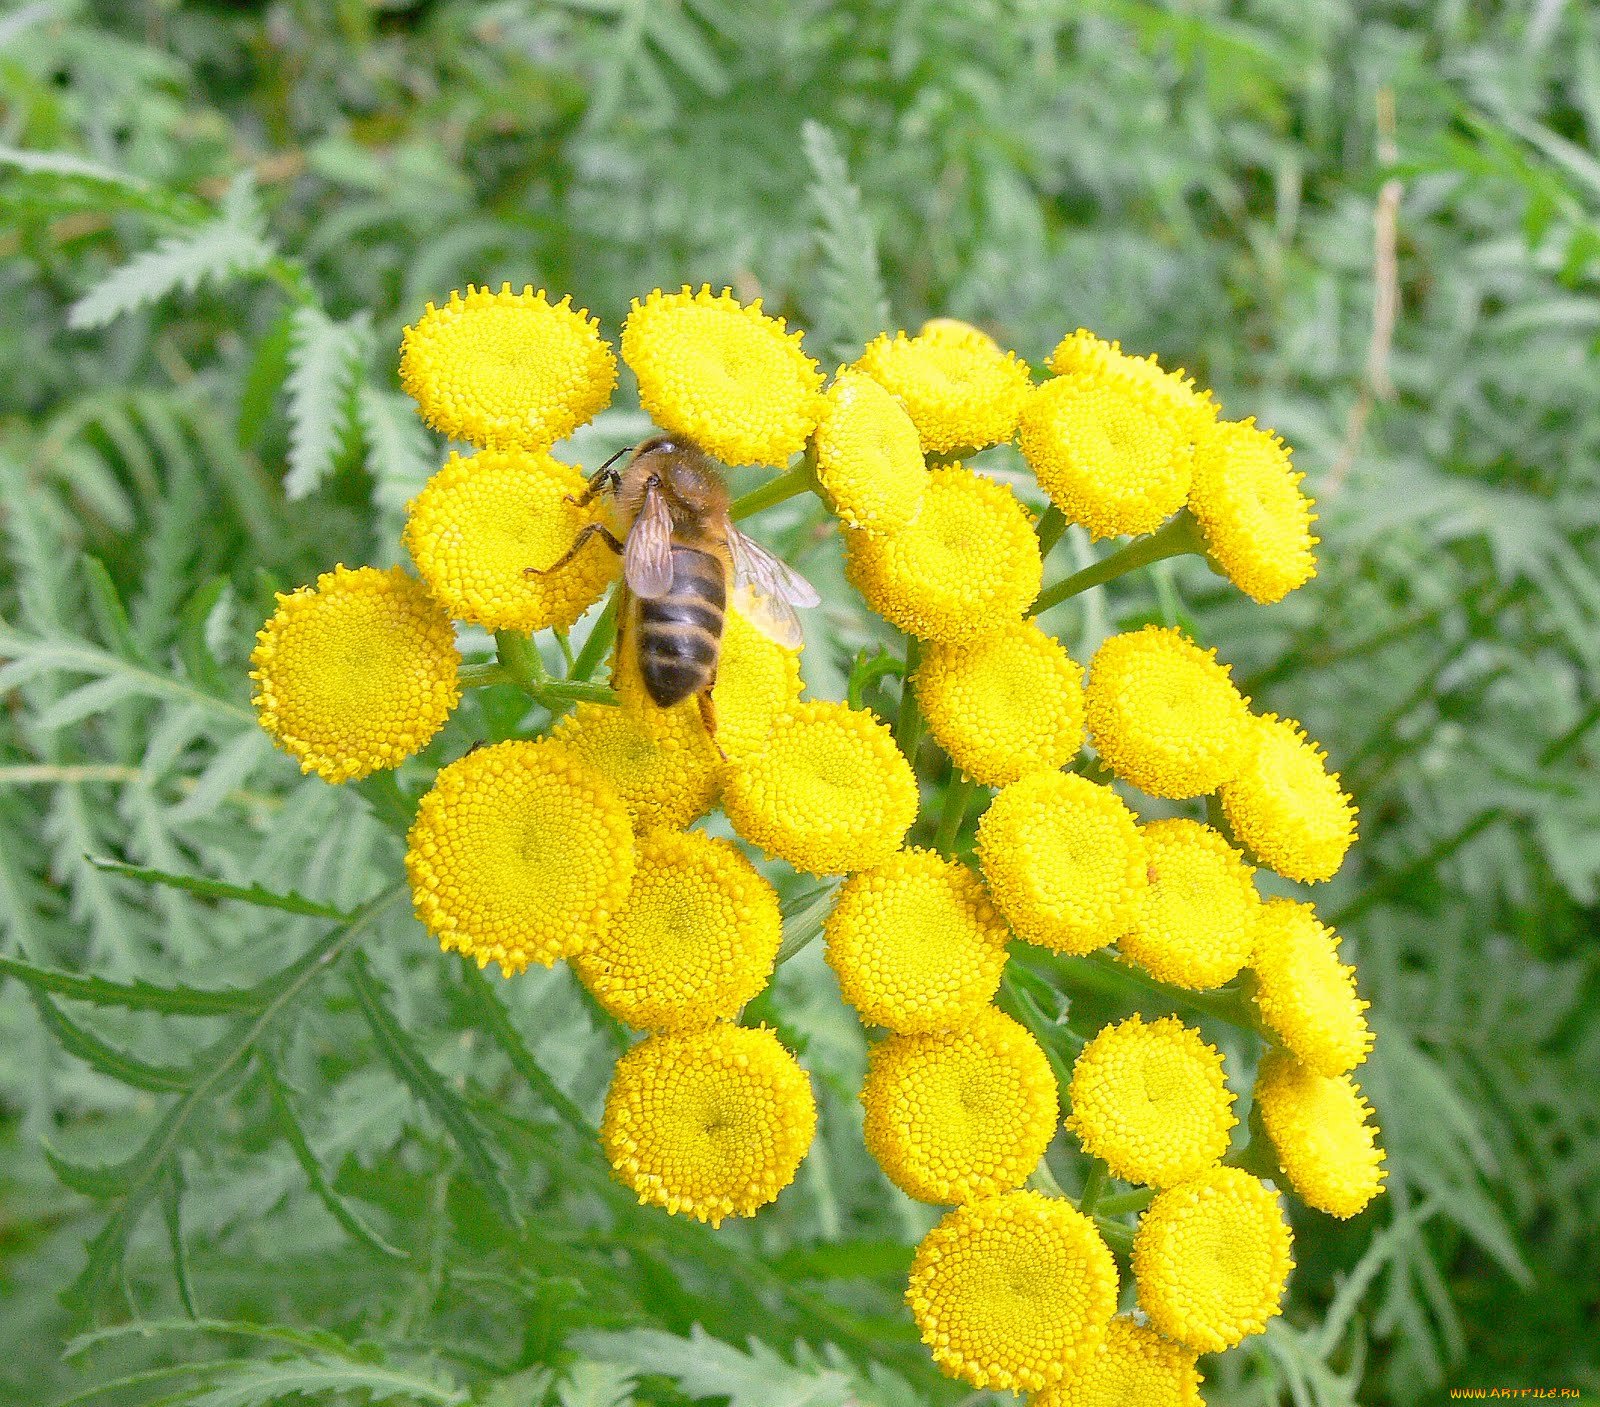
(908, 726)
(1094, 1186)
(565, 646)
(476, 676)
(594, 648)
(786, 485)
(866, 672)
(1115, 1234)
(1050, 526)
(957, 797)
(520, 656)
(1122, 1202)
(1175, 539)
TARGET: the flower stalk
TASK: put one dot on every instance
(1177, 538)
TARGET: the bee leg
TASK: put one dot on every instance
(584, 534)
(708, 716)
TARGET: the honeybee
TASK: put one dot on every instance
(682, 559)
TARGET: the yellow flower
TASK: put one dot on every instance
(961, 393)
(758, 681)
(709, 1123)
(830, 793)
(695, 940)
(915, 943)
(1320, 1126)
(1004, 704)
(1084, 355)
(520, 853)
(1196, 922)
(869, 460)
(1135, 1367)
(1013, 1292)
(1285, 806)
(723, 375)
(1149, 1099)
(1110, 452)
(1307, 997)
(1257, 522)
(1164, 714)
(1211, 1257)
(969, 562)
(356, 673)
(1063, 859)
(480, 521)
(507, 370)
(666, 773)
(955, 1115)
(960, 334)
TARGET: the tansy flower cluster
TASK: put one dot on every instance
(1058, 832)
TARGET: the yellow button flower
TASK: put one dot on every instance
(481, 521)
(507, 370)
(1149, 1099)
(709, 1123)
(962, 393)
(356, 673)
(1086, 356)
(1013, 1292)
(1164, 714)
(955, 1115)
(915, 943)
(1257, 522)
(758, 681)
(1063, 859)
(968, 563)
(960, 334)
(723, 375)
(830, 793)
(1196, 922)
(1285, 806)
(520, 853)
(869, 460)
(1212, 1256)
(1135, 1367)
(1307, 997)
(1320, 1126)
(1004, 704)
(664, 767)
(695, 940)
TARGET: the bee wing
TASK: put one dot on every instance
(647, 557)
(766, 591)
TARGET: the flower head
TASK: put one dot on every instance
(507, 370)
(915, 943)
(1196, 921)
(709, 1123)
(869, 460)
(1257, 522)
(1086, 356)
(1284, 804)
(723, 374)
(666, 769)
(758, 681)
(1320, 1126)
(1135, 1367)
(1307, 997)
(969, 562)
(954, 1115)
(1063, 859)
(830, 793)
(1013, 1291)
(1164, 714)
(695, 940)
(1212, 1256)
(1149, 1098)
(480, 522)
(957, 333)
(520, 853)
(1004, 704)
(356, 673)
(962, 392)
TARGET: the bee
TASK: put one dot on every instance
(682, 561)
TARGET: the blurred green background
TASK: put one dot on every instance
(1375, 227)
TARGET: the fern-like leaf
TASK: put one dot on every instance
(854, 306)
(324, 355)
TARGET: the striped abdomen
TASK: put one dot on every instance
(680, 634)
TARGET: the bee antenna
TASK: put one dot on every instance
(626, 449)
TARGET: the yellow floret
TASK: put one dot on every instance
(520, 853)
(830, 793)
(708, 1123)
(481, 521)
(1149, 1099)
(722, 374)
(1063, 859)
(1285, 806)
(758, 681)
(1164, 714)
(960, 334)
(1004, 704)
(1196, 922)
(1212, 1256)
(962, 393)
(1321, 1128)
(869, 460)
(695, 940)
(915, 943)
(1013, 1292)
(356, 673)
(1083, 354)
(967, 564)
(1257, 522)
(507, 370)
(1135, 1367)
(1307, 997)
(665, 770)
(955, 1115)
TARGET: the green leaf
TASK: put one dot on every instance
(172, 1215)
(103, 1056)
(134, 996)
(268, 368)
(100, 1182)
(324, 357)
(290, 903)
(400, 453)
(109, 613)
(706, 1367)
(854, 303)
